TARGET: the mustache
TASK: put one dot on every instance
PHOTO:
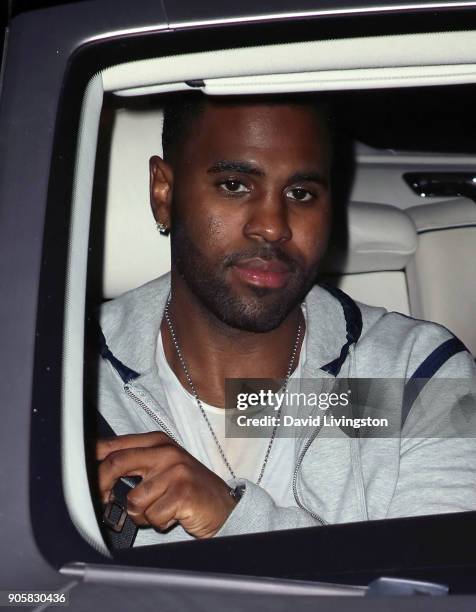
(267, 252)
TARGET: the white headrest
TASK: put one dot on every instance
(381, 237)
(459, 212)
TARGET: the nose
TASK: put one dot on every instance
(268, 220)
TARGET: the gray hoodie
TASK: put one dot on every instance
(338, 477)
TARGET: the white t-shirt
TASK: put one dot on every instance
(245, 455)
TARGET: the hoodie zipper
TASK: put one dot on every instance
(151, 413)
(351, 369)
(298, 465)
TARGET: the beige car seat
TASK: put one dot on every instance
(441, 275)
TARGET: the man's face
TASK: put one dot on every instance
(250, 210)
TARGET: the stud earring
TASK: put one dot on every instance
(162, 228)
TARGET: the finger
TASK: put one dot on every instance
(106, 446)
(147, 492)
(162, 513)
(144, 462)
(129, 462)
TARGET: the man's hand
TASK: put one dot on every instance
(175, 487)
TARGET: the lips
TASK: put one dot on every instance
(270, 273)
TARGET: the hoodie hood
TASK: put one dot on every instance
(131, 323)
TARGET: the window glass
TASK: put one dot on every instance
(378, 420)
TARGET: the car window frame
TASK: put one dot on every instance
(269, 552)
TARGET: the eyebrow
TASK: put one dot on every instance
(245, 167)
(235, 166)
(311, 177)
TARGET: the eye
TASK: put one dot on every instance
(300, 194)
(233, 186)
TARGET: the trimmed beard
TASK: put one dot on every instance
(262, 311)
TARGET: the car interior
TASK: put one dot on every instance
(411, 217)
(406, 252)
(419, 268)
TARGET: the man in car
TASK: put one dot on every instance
(245, 191)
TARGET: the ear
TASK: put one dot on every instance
(161, 185)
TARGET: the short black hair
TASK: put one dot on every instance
(180, 112)
(183, 109)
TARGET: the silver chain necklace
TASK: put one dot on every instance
(199, 403)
